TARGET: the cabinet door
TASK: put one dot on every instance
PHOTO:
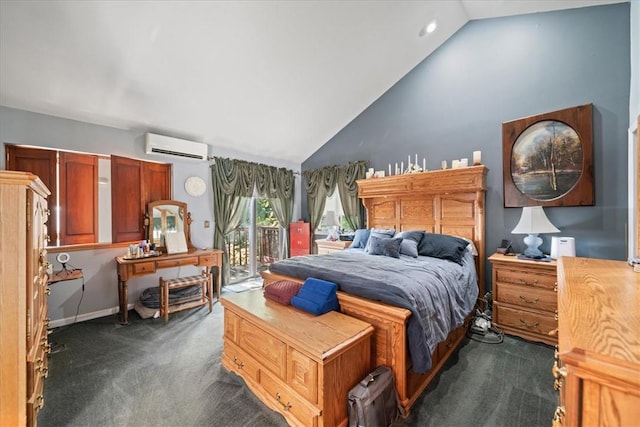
(299, 233)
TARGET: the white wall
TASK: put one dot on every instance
(98, 265)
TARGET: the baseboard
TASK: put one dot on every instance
(86, 316)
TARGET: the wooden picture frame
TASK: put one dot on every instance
(548, 159)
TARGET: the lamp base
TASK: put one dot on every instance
(533, 242)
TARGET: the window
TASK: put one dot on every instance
(333, 216)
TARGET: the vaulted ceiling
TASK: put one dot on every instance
(274, 78)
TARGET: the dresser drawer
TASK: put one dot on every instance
(287, 400)
(527, 297)
(208, 260)
(239, 361)
(524, 276)
(299, 229)
(178, 262)
(299, 251)
(144, 267)
(35, 402)
(270, 351)
(530, 321)
(302, 375)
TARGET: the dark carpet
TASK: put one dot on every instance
(151, 374)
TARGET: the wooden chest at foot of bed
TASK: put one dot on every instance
(297, 364)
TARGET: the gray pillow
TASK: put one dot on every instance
(389, 246)
(381, 233)
(360, 238)
(410, 241)
(442, 246)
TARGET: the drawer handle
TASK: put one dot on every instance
(529, 301)
(40, 403)
(558, 417)
(286, 406)
(524, 282)
(47, 290)
(553, 332)
(530, 325)
(44, 371)
(238, 363)
(559, 374)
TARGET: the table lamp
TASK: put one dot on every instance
(331, 222)
(532, 222)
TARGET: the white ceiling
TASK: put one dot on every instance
(274, 78)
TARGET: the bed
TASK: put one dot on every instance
(446, 202)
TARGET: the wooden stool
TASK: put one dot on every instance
(203, 280)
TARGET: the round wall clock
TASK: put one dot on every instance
(195, 186)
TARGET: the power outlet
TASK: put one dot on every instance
(207, 224)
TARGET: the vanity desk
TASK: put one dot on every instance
(165, 216)
(128, 268)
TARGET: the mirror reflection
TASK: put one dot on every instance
(167, 216)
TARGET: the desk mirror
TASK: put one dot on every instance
(167, 216)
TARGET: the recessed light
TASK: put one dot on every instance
(429, 28)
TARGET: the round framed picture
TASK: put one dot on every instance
(195, 186)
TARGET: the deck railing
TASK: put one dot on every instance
(267, 247)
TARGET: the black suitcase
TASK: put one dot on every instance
(373, 402)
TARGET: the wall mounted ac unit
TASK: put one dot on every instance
(175, 147)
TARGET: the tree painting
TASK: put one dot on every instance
(546, 160)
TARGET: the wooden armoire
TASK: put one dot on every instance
(23, 297)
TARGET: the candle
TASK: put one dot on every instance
(416, 163)
(464, 163)
(401, 167)
(408, 160)
(396, 169)
(455, 164)
(424, 164)
(477, 158)
(443, 164)
(389, 169)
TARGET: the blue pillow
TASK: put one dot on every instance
(389, 246)
(410, 241)
(360, 239)
(442, 246)
(381, 233)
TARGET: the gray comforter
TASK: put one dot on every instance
(439, 293)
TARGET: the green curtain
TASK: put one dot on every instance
(278, 185)
(348, 190)
(233, 183)
(321, 183)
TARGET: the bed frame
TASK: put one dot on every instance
(446, 201)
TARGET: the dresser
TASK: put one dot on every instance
(297, 364)
(23, 297)
(300, 238)
(329, 246)
(524, 297)
(597, 369)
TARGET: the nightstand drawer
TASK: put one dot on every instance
(527, 297)
(524, 320)
(524, 276)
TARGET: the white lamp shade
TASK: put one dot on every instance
(534, 221)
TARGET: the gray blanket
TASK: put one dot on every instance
(439, 293)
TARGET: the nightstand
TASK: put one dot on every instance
(525, 297)
(329, 246)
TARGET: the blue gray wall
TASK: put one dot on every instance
(497, 70)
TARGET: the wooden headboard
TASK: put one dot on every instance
(449, 201)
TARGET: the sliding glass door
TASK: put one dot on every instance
(256, 242)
